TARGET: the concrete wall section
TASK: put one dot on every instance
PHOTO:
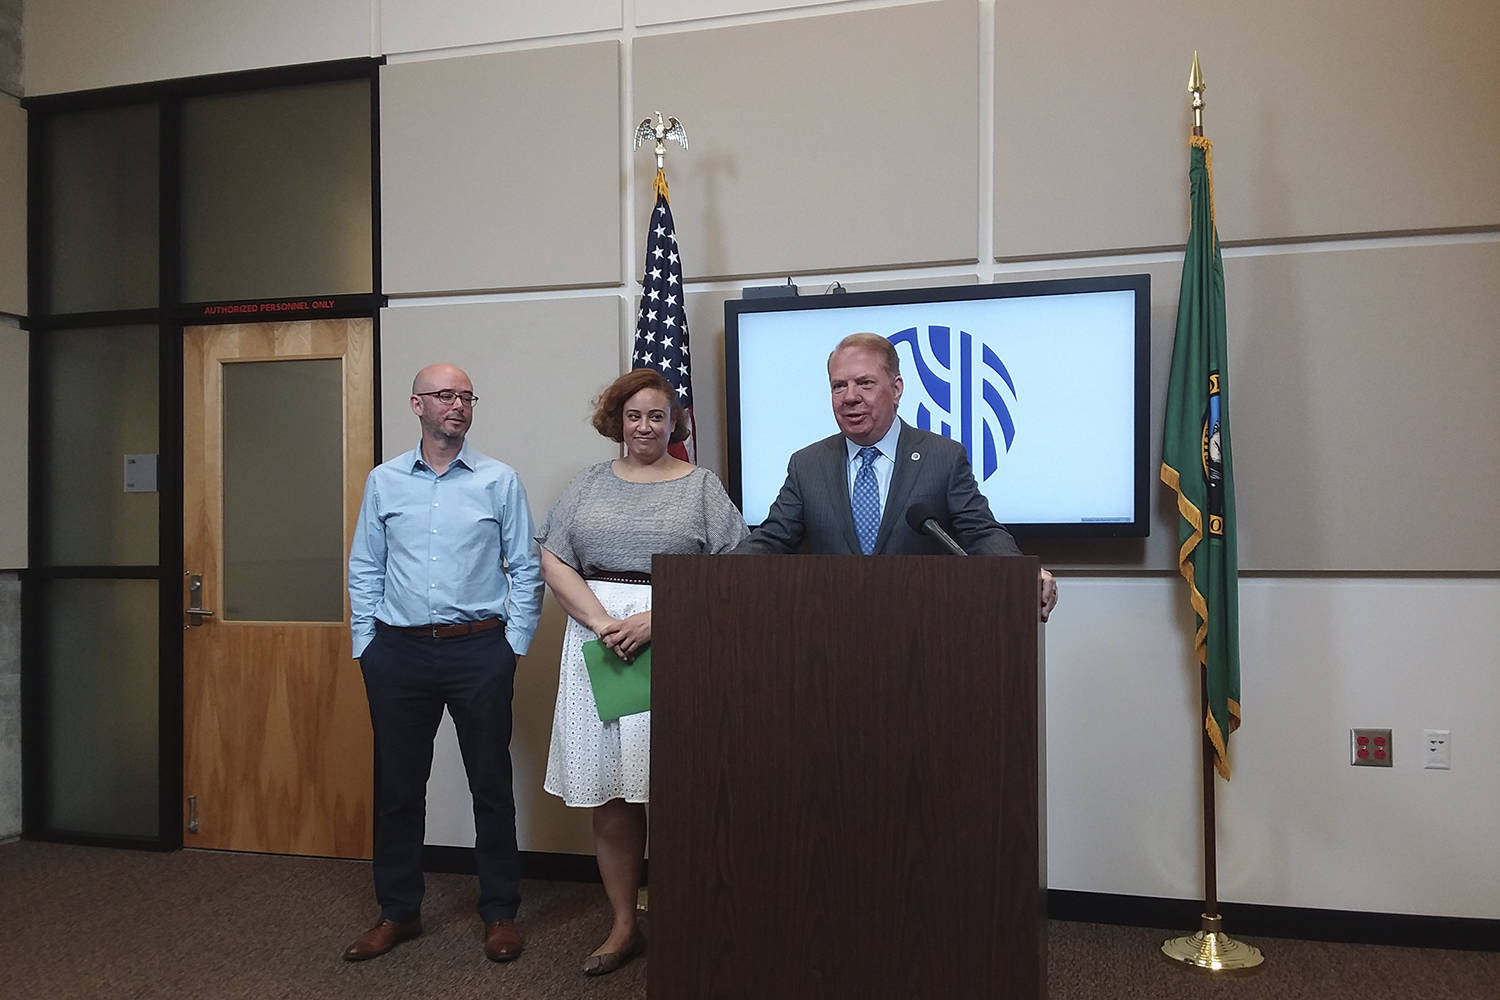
(10, 47)
(13, 144)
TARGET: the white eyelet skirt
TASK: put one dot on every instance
(591, 762)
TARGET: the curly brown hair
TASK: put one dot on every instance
(609, 405)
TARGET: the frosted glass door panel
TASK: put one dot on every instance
(102, 405)
(104, 202)
(101, 641)
(284, 491)
(276, 193)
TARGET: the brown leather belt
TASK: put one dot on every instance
(449, 631)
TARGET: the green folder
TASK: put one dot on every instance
(620, 688)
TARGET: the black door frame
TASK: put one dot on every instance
(170, 317)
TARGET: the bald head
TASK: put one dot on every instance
(441, 376)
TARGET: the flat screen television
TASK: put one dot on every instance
(1046, 384)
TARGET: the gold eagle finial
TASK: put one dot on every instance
(660, 130)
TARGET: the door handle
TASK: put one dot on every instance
(195, 610)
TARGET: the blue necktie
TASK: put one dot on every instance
(866, 500)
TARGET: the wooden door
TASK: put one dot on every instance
(276, 741)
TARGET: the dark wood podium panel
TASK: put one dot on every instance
(846, 778)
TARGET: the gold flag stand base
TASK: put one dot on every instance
(1212, 950)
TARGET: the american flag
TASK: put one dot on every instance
(661, 329)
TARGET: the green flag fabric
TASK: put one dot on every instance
(1196, 459)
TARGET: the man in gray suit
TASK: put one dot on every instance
(849, 493)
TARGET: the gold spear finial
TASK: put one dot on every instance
(1196, 88)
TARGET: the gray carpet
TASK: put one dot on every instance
(97, 923)
(1096, 960)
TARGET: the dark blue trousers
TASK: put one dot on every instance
(409, 679)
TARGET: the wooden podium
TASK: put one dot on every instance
(846, 785)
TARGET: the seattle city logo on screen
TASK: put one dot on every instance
(961, 387)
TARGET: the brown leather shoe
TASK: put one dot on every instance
(382, 938)
(502, 942)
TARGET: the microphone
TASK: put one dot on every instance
(923, 520)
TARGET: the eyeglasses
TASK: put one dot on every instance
(448, 396)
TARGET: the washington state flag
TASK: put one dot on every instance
(1196, 462)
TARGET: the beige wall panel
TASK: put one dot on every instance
(1364, 406)
(821, 143)
(81, 44)
(414, 25)
(668, 11)
(535, 365)
(501, 171)
(1354, 116)
(12, 207)
(1316, 656)
(13, 444)
(705, 313)
(1361, 390)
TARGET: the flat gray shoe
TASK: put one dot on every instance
(603, 965)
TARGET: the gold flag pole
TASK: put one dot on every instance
(659, 131)
(1210, 949)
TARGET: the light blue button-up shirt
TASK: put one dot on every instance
(433, 550)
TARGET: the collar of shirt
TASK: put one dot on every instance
(885, 463)
(462, 458)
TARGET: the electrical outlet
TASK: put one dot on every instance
(1438, 743)
(1370, 747)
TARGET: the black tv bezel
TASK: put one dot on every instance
(1140, 284)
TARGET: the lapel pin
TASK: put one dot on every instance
(916, 456)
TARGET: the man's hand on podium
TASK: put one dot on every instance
(1046, 585)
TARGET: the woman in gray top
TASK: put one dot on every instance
(597, 543)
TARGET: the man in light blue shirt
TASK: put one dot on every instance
(445, 590)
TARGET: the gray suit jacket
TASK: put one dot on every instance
(812, 513)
